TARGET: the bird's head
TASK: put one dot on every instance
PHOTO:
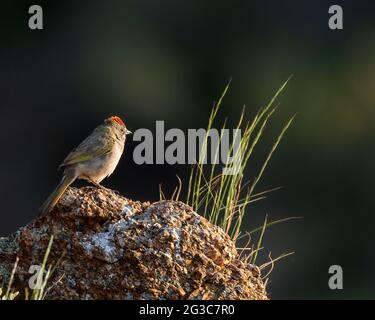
(118, 123)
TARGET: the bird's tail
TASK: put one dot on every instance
(54, 197)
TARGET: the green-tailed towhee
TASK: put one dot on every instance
(93, 160)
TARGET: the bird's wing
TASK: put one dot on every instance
(95, 145)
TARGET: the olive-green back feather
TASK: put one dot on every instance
(99, 143)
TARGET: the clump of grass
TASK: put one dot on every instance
(223, 199)
(8, 296)
(43, 277)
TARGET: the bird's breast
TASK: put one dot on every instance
(99, 168)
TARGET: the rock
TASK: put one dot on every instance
(117, 248)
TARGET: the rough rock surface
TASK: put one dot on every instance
(117, 248)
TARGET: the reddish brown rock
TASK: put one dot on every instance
(117, 248)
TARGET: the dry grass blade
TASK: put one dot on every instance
(161, 193)
(179, 188)
(7, 294)
(273, 223)
(260, 239)
(272, 263)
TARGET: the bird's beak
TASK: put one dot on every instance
(128, 132)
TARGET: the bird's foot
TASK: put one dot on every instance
(99, 186)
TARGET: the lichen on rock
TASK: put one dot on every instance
(117, 248)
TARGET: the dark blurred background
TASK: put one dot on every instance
(169, 60)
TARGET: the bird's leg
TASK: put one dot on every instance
(98, 185)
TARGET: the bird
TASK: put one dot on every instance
(93, 160)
